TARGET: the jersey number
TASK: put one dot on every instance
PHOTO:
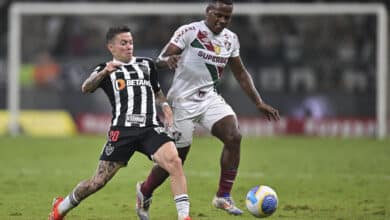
(114, 135)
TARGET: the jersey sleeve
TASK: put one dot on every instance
(236, 46)
(97, 69)
(182, 36)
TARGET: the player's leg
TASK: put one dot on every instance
(159, 144)
(227, 131)
(144, 190)
(114, 156)
(167, 158)
(158, 175)
(220, 119)
(105, 171)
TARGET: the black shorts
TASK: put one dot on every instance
(123, 142)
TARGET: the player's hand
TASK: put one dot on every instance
(168, 116)
(172, 61)
(269, 111)
(112, 66)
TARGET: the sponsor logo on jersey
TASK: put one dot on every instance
(136, 118)
(120, 84)
(212, 58)
(180, 33)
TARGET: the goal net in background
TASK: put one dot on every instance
(322, 65)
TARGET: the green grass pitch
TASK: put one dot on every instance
(315, 178)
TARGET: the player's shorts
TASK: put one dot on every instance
(184, 120)
(123, 142)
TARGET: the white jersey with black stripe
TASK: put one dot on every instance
(201, 65)
(131, 91)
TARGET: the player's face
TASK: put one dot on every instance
(121, 47)
(218, 16)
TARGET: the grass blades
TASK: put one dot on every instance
(315, 178)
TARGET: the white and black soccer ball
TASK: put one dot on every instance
(261, 201)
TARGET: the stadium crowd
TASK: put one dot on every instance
(287, 54)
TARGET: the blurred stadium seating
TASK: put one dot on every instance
(297, 63)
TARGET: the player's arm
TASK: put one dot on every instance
(169, 57)
(161, 100)
(166, 109)
(245, 80)
(93, 81)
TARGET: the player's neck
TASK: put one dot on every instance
(131, 60)
(211, 30)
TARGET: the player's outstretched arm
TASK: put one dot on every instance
(169, 57)
(246, 83)
(93, 81)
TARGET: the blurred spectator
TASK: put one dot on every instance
(289, 55)
(46, 70)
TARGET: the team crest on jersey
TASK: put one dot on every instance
(145, 69)
(109, 149)
(227, 44)
(120, 84)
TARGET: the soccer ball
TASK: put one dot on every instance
(261, 201)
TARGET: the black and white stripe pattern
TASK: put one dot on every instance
(181, 198)
(131, 90)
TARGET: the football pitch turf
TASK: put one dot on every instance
(315, 178)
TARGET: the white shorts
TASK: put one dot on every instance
(184, 120)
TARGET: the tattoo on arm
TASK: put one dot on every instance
(93, 81)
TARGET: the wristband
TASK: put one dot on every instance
(161, 58)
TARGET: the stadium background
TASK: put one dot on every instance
(322, 68)
(315, 178)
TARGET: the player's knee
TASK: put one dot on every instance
(233, 139)
(176, 162)
(175, 165)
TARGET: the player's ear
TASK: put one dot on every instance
(109, 46)
(208, 9)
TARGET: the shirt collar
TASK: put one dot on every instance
(130, 62)
(210, 31)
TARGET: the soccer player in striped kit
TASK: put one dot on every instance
(131, 85)
(198, 52)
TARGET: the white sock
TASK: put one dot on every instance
(67, 204)
(182, 205)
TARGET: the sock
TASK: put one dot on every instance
(182, 205)
(226, 182)
(67, 204)
(156, 177)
